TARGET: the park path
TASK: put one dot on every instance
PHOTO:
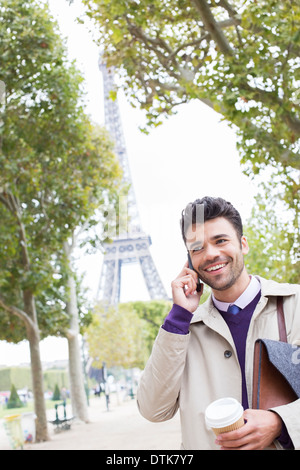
(121, 428)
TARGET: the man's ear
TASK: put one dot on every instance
(245, 246)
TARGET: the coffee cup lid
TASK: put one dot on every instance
(223, 412)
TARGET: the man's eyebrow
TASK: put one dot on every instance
(214, 237)
(221, 235)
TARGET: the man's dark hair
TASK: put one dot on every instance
(213, 207)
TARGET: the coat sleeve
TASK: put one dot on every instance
(290, 413)
(159, 387)
(290, 416)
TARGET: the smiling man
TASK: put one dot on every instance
(205, 352)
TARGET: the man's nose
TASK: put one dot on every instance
(212, 251)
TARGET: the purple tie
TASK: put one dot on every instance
(234, 309)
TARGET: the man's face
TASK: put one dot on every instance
(216, 252)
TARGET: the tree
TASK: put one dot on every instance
(273, 241)
(117, 336)
(239, 57)
(152, 313)
(101, 180)
(14, 399)
(56, 168)
(56, 393)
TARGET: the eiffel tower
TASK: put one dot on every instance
(132, 245)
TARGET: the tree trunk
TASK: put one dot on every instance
(78, 395)
(29, 316)
(36, 371)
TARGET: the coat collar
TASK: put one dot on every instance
(269, 288)
(273, 288)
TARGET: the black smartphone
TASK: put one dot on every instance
(199, 285)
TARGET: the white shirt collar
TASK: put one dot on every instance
(244, 299)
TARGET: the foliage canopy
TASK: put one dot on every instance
(239, 57)
(56, 167)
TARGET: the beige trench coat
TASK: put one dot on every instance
(187, 372)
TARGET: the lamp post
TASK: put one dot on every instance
(106, 386)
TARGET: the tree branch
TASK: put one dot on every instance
(19, 313)
(269, 97)
(288, 157)
(230, 10)
(23, 242)
(5, 200)
(213, 27)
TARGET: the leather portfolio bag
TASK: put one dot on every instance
(276, 369)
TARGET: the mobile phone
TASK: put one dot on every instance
(199, 285)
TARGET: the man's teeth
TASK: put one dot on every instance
(217, 266)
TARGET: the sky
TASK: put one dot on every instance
(193, 154)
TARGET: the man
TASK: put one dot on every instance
(203, 353)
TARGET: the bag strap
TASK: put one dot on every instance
(281, 321)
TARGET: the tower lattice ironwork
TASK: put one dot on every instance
(131, 246)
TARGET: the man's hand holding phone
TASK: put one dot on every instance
(184, 289)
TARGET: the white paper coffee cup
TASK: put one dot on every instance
(223, 415)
